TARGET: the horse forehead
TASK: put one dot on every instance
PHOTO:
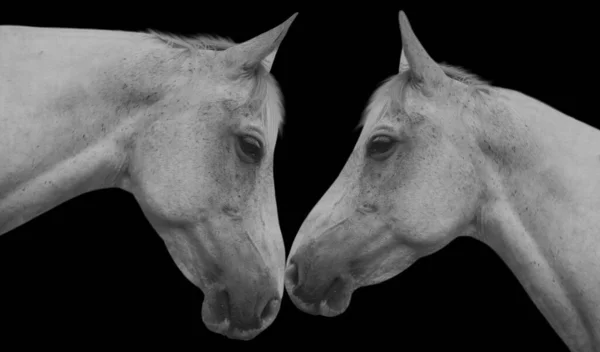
(443, 113)
(208, 95)
(232, 91)
(250, 112)
(402, 116)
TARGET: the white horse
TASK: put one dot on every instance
(187, 125)
(442, 154)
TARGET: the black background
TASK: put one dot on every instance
(92, 270)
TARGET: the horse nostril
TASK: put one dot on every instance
(270, 310)
(292, 275)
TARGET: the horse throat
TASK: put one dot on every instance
(535, 217)
(32, 190)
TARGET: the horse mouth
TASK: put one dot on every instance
(334, 300)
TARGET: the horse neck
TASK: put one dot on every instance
(65, 128)
(542, 197)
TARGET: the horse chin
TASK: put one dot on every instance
(214, 313)
(337, 304)
(220, 328)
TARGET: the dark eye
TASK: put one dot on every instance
(250, 149)
(380, 147)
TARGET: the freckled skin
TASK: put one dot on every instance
(107, 109)
(489, 163)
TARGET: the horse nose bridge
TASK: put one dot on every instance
(321, 228)
(251, 256)
(251, 281)
(252, 248)
(331, 207)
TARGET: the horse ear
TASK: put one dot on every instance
(404, 66)
(268, 61)
(259, 49)
(415, 58)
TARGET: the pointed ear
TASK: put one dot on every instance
(247, 55)
(268, 61)
(403, 63)
(415, 58)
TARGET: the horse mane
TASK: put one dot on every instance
(393, 89)
(265, 88)
(198, 42)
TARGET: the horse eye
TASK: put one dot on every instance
(380, 147)
(250, 149)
